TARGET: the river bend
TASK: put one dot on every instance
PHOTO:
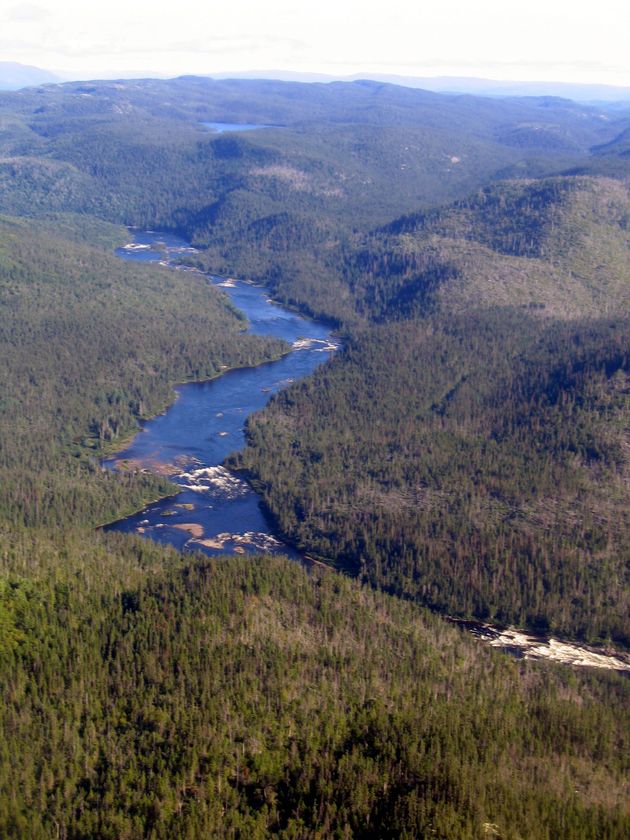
(215, 512)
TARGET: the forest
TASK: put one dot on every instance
(150, 695)
(504, 498)
(469, 447)
(465, 453)
(91, 346)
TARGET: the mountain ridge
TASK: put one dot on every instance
(14, 76)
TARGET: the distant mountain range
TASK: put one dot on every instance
(14, 76)
(456, 84)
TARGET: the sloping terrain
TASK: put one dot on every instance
(90, 345)
(472, 449)
(558, 247)
(467, 449)
(358, 153)
(146, 695)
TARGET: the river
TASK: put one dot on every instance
(218, 513)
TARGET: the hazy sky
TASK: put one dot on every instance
(502, 39)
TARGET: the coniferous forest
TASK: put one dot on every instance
(465, 453)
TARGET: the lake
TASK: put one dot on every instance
(220, 127)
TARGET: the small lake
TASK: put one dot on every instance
(216, 511)
(221, 128)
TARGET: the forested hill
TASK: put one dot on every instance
(469, 447)
(524, 121)
(333, 160)
(348, 154)
(148, 695)
(556, 246)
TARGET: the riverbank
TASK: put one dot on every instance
(526, 645)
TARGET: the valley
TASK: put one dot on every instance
(182, 445)
(462, 454)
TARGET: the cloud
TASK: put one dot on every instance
(27, 12)
(530, 38)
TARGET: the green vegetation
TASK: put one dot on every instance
(90, 345)
(479, 466)
(358, 154)
(470, 446)
(150, 697)
(467, 449)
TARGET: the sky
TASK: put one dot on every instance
(499, 39)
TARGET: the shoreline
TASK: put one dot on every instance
(127, 439)
(104, 525)
(115, 448)
(523, 643)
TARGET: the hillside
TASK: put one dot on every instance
(148, 696)
(354, 154)
(271, 102)
(467, 450)
(553, 246)
(469, 447)
(90, 345)
(558, 247)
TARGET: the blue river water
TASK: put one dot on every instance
(216, 511)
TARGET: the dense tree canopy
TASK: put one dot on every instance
(467, 450)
